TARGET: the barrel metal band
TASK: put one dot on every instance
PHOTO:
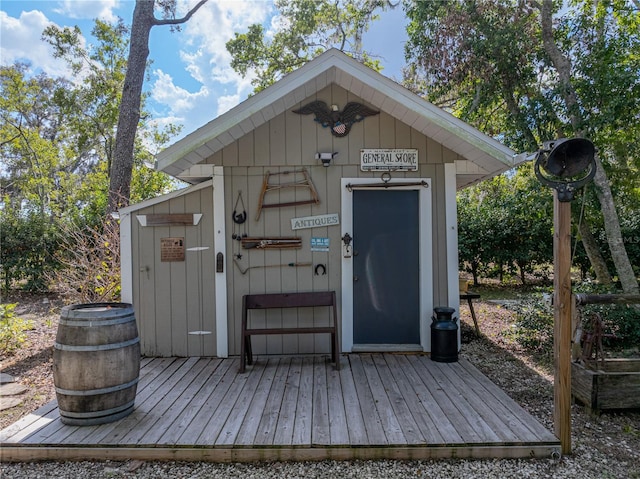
(97, 347)
(91, 323)
(92, 392)
(96, 414)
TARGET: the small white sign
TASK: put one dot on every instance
(389, 159)
(315, 221)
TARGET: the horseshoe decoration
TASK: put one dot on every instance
(239, 218)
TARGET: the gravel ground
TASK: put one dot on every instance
(606, 446)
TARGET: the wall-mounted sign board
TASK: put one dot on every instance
(389, 159)
(319, 244)
(171, 249)
(170, 219)
(315, 221)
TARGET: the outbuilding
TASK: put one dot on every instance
(335, 178)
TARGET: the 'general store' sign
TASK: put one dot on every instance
(389, 159)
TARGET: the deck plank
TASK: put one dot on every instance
(463, 402)
(141, 419)
(214, 408)
(302, 423)
(509, 426)
(320, 431)
(390, 423)
(373, 423)
(235, 416)
(33, 423)
(271, 410)
(376, 405)
(534, 426)
(211, 374)
(249, 428)
(436, 402)
(14, 432)
(422, 417)
(226, 407)
(389, 381)
(337, 416)
(355, 422)
(286, 420)
(176, 402)
(153, 380)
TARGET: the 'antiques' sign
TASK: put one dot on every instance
(315, 221)
(389, 159)
(171, 249)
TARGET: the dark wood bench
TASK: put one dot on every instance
(287, 300)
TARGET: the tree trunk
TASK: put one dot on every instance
(614, 234)
(603, 190)
(122, 165)
(593, 253)
(129, 116)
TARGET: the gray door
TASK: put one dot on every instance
(386, 264)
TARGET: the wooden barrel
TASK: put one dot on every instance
(96, 363)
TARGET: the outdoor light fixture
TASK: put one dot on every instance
(326, 158)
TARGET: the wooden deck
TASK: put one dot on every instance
(377, 406)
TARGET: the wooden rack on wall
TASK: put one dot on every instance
(300, 179)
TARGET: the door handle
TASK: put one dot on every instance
(355, 279)
(346, 240)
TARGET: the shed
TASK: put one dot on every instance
(359, 199)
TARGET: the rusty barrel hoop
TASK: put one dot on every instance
(96, 363)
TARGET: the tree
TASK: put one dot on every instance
(489, 62)
(307, 28)
(129, 115)
(580, 126)
(505, 223)
(56, 141)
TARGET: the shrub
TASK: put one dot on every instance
(622, 321)
(27, 241)
(90, 259)
(12, 329)
(533, 329)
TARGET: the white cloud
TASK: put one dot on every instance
(205, 58)
(22, 41)
(88, 9)
(177, 99)
(227, 102)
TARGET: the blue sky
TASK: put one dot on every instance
(190, 80)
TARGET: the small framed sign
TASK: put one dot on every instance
(319, 244)
(389, 159)
(172, 249)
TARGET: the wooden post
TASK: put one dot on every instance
(562, 322)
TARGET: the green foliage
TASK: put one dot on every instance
(533, 328)
(28, 240)
(12, 329)
(306, 29)
(621, 321)
(57, 141)
(485, 61)
(505, 222)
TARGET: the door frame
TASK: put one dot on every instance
(426, 252)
